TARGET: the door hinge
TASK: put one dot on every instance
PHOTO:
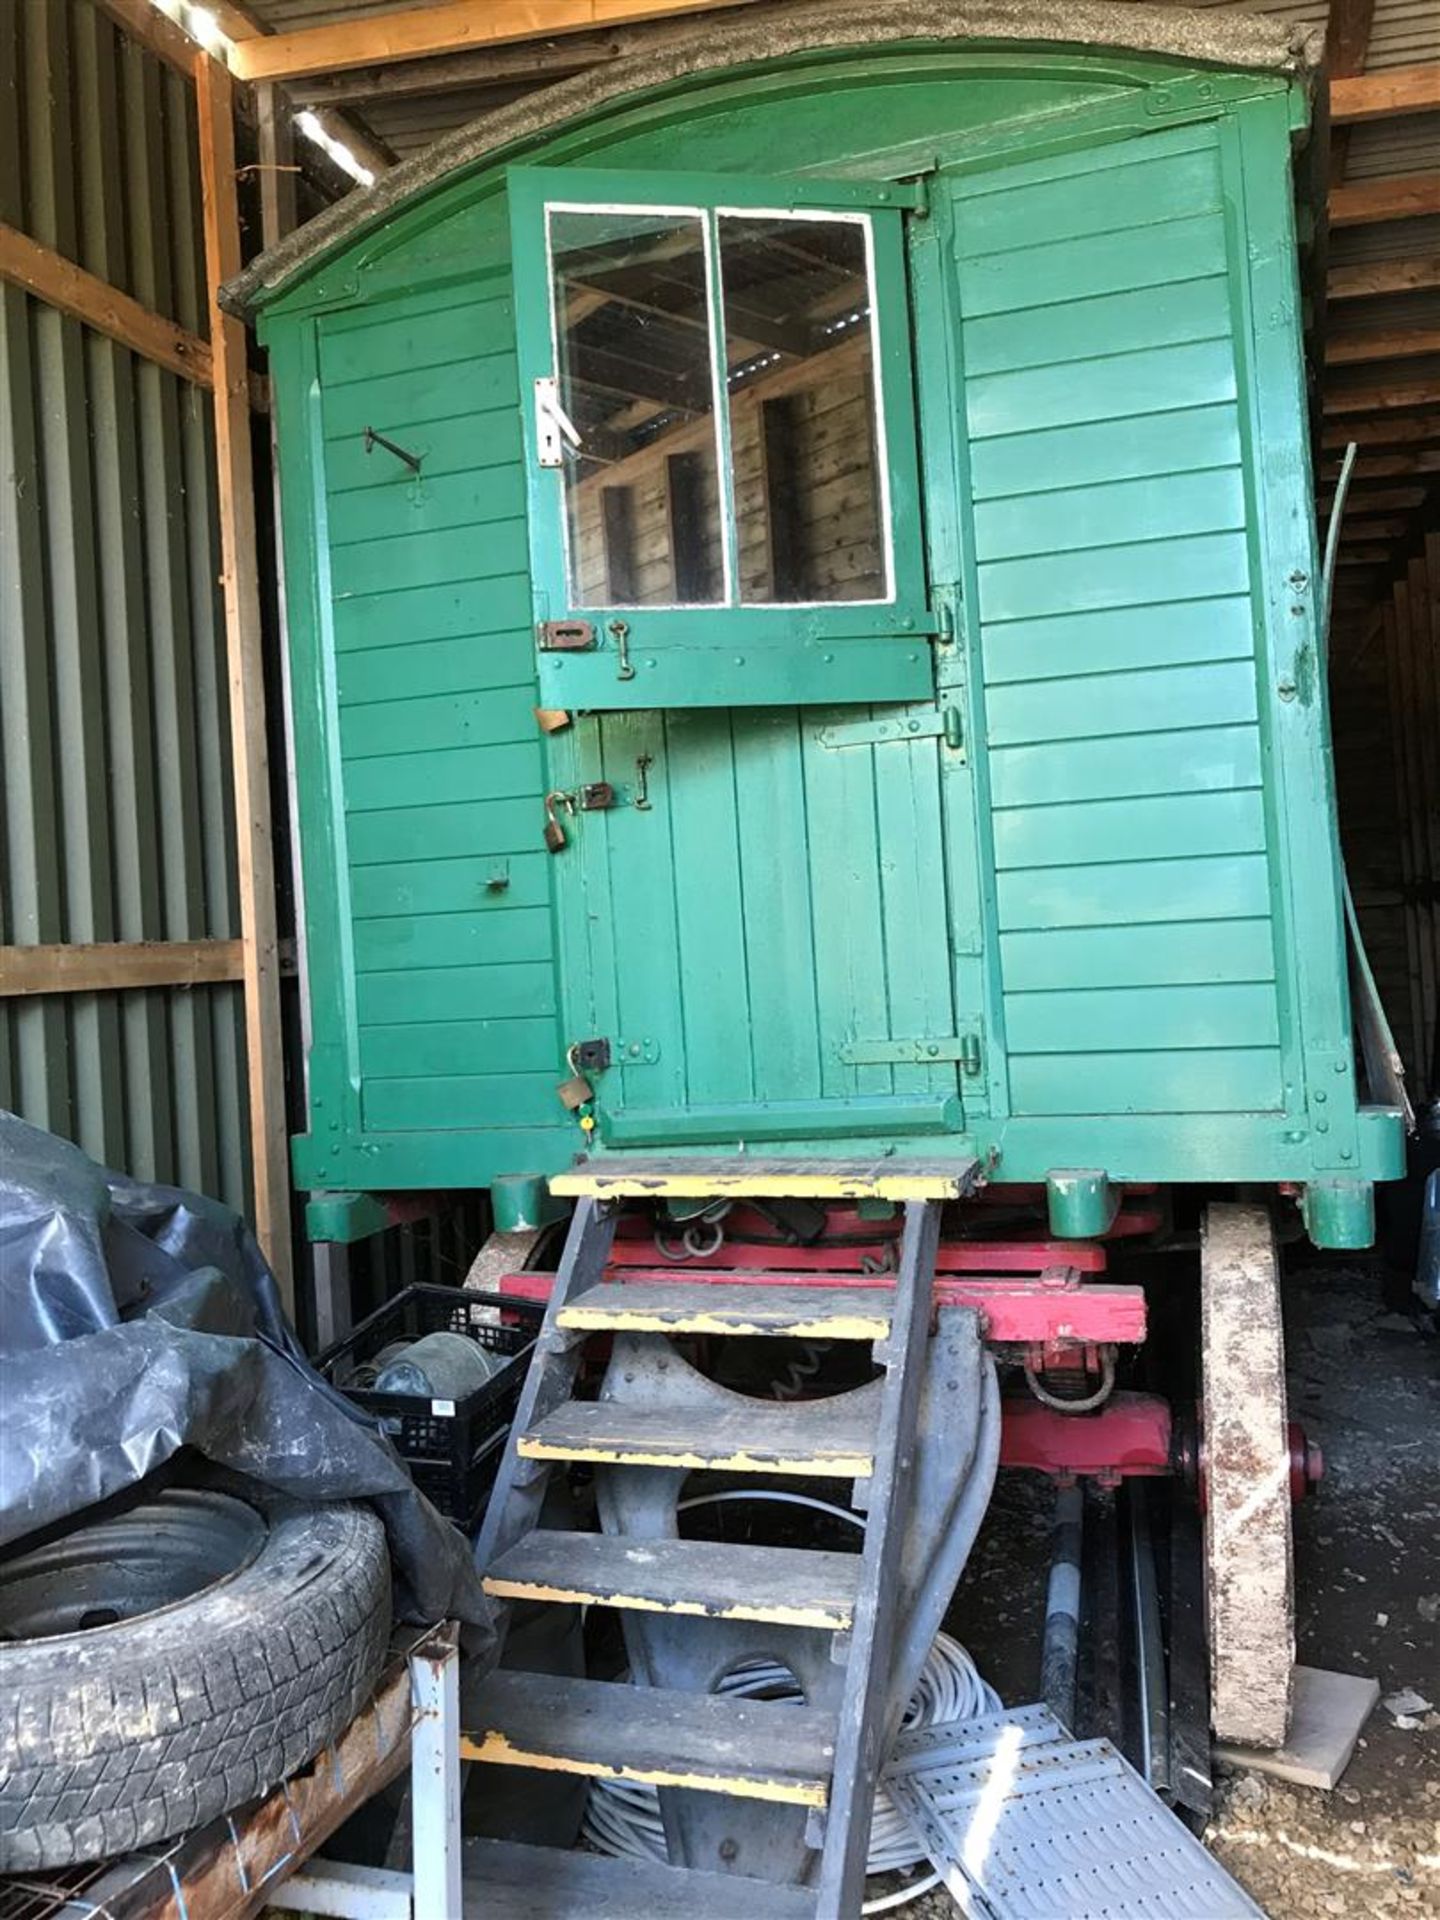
(947, 725)
(963, 1048)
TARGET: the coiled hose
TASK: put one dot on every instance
(622, 1817)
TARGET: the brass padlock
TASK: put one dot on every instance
(556, 838)
(575, 1091)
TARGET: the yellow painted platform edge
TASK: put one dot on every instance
(622, 1319)
(834, 1619)
(846, 1466)
(497, 1750)
(639, 1185)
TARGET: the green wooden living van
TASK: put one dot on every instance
(803, 613)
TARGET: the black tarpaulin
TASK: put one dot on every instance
(136, 1320)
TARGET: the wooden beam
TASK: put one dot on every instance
(1347, 42)
(1418, 273)
(1347, 35)
(239, 24)
(1380, 500)
(1401, 196)
(70, 289)
(1385, 343)
(1389, 394)
(1390, 466)
(1382, 95)
(1384, 433)
(214, 100)
(116, 966)
(418, 32)
(1363, 530)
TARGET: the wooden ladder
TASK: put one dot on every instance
(827, 1762)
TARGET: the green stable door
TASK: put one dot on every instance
(767, 818)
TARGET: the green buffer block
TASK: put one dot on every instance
(1082, 1204)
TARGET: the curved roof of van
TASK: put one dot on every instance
(1212, 37)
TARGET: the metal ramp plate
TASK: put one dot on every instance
(1025, 1823)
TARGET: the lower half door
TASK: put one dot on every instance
(759, 925)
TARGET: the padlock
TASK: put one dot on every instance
(575, 1091)
(555, 836)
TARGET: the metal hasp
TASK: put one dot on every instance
(774, 1796)
(1022, 1819)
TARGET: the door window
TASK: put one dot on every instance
(723, 449)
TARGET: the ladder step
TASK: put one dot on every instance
(785, 1585)
(800, 1313)
(754, 1749)
(507, 1881)
(826, 1438)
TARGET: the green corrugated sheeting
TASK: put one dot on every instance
(116, 776)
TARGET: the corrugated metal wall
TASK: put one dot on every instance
(116, 778)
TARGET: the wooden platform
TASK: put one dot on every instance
(735, 1176)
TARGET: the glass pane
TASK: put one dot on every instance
(642, 503)
(809, 499)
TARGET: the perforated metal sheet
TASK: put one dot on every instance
(1026, 1823)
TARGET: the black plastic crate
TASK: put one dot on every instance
(452, 1447)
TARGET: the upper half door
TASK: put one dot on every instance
(699, 535)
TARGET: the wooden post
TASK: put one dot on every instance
(214, 99)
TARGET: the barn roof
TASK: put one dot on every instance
(1209, 37)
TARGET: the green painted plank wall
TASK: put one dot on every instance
(449, 890)
(1134, 877)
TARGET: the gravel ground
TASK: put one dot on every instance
(1367, 1550)
(1367, 1559)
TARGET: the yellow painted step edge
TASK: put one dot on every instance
(622, 1319)
(833, 1619)
(839, 1466)
(497, 1750)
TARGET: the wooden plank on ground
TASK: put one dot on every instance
(70, 289)
(116, 966)
(214, 94)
